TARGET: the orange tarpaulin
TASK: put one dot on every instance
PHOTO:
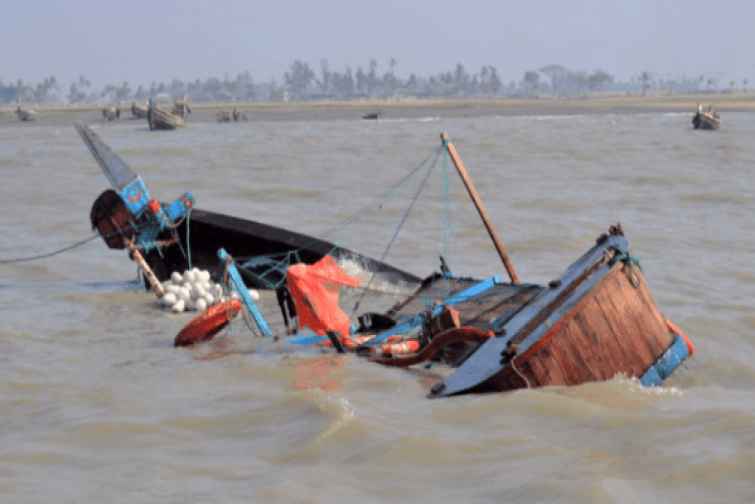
(315, 289)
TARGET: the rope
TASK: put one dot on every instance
(385, 195)
(188, 243)
(401, 223)
(37, 257)
(519, 373)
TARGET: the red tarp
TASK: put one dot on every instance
(315, 289)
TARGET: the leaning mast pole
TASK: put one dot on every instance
(475, 196)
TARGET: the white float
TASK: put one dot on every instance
(194, 290)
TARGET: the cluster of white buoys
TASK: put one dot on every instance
(194, 290)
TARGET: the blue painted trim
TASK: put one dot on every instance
(486, 361)
(664, 367)
(178, 209)
(473, 291)
(243, 291)
(306, 338)
(135, 195)
(417, 320)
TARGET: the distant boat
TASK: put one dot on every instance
(111, 113)
(181, 108)
(706, 119)
(138, 111)
(25, 115)
(160, 119)
(371, 115)
(234, 115)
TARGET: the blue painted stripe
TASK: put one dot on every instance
(241, 288)
(306, 339)
(671, 359)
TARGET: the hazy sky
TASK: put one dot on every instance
(145, 40)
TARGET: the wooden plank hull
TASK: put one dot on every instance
(598, 320)
(615, 329)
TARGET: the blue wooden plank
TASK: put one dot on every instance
(241, 288)
(416, 321)
(664, 367)
(486, 361)
(306, 338)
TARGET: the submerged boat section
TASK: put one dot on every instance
(596, 321)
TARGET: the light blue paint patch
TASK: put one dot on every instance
(664, 367)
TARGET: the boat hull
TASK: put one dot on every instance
(597, 321)
(159, 119)
(706, 121)
(267, 250)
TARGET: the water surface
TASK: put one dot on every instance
(99, 407)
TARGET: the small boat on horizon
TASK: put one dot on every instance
(372, 115)
(181, 108)
(160, 119)
(25, 115)
(111, 113)
(234, 115)
(138, 111)
(706, 119)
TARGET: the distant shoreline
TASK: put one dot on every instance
(734, 102)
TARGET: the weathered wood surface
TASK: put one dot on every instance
(616, 328)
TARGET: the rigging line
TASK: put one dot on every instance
(72, 246)
(434, 154)
(384, 195)
(50, 254)
(401, 223)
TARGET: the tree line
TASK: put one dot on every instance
(302, 82)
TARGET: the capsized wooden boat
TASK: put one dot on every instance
(25, 115)
(160, 119)
(138, 111)
(598, 320)
(706, 119)
(174, 236)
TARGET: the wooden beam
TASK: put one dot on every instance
(152, 280)
(472, 190)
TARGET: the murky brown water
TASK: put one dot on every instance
(97, 406)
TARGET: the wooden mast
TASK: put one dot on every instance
(497, 242)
